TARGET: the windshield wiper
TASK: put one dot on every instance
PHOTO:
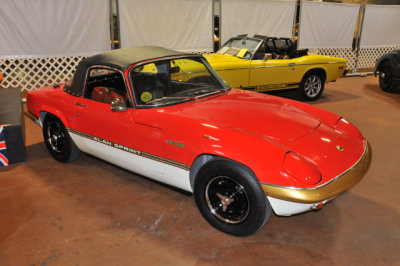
(165, 99)
(212, 92)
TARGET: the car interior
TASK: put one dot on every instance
(106, 87)
(275, 48)
(166, 78)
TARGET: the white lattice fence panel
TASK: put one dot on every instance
(369, 55)
(32, 73)
(347, 53)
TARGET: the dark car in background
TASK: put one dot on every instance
(388, 69)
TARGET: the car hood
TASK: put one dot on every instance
(254, 113)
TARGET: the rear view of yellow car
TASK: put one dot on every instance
(263, 63)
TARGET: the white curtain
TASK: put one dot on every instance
(53, 27)
(264, 17)
(184, 25)
(381, 26)
(327, 25)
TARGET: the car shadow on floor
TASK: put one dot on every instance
(328, 96)
(376, 92)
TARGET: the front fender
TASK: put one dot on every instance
(261, 155)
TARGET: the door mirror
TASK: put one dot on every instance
(117, 105)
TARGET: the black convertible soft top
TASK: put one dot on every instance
(120, 59)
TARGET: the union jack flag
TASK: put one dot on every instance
(3, 149)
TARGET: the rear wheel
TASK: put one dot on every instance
(386, 77)
(58, 142)
(311, 86)
(230, 198)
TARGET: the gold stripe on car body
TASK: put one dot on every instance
(176, 164)
(131, 150)
(334, 187)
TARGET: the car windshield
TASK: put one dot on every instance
(243, 47)
(173, 81)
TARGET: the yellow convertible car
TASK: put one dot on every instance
(263, 63)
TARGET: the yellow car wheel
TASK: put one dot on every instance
(311, 86)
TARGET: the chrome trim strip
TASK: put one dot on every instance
(180, 145)
(287, 65)
(131, 150)
(327, 63)
(239, 68)
(327, 183)
(257, 67)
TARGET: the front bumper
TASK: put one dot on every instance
(326, 191)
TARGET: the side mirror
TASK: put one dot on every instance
(117, 105)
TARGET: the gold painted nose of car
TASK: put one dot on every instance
(325, 191)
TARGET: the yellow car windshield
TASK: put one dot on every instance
(243, 48)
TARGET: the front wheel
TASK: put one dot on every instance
(230, 198)
(386, 77)
(311, 86)
(58, 142)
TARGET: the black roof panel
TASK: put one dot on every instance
(120, 59)
(123, 58)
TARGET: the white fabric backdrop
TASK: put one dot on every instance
(53, 28)
(327, 25)
(184, 25)
(264, 17)
(381, 26)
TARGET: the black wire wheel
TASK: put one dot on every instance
(312, 86)
(386, 77)
(227, 199)
(57, 140)
(230, 198)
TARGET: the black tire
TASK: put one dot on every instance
(230, 198)
(58, 141)
(311, 86)
(386, 77)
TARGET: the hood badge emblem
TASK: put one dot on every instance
(340, 148)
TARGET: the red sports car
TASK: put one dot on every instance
(167, 116)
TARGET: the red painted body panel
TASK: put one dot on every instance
(251, 128)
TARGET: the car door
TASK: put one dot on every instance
(113, 135)
(272, 74)
(235, 73)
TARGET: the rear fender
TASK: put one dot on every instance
(45, 110)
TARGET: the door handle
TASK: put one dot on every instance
(80, 104)
(291, 64)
